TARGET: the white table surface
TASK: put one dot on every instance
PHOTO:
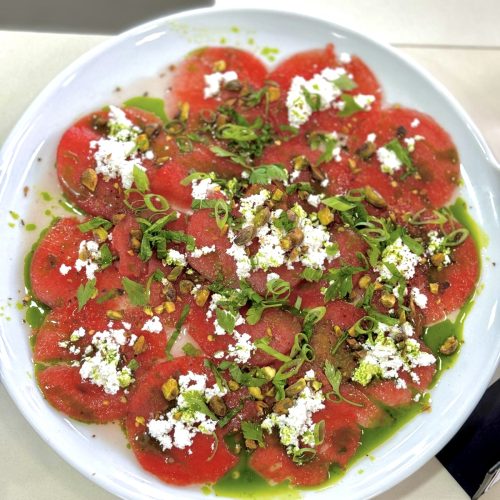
(463, 54)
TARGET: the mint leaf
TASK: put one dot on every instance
(153, 105)
(85, 293)
(264, 174)
(136, 292)
(141, 180)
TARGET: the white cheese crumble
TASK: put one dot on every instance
(411, 141)
(90, 250)
(415, 123)
(241, 351)
(199, 252)
(100, 366)
(384, 360)
(389, 162)
(419, 298)
(371, 137)
(345, 58)
(321, 84)
(364, 101)
(238, 253)
(215, 298)
(64, 269)
(436, 245)
(272, 276)
(175, 258)
(214, 81)
(152, 325)
(116, 155)
(400, 255)
(178, 427)
(200, 189)
(313, 251)
(296, 428)
(315, 199)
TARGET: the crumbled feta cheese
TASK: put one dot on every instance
(272, 276)
(237, 252)
(77, 334)
(436, 245)
(315, 199)
(101, 368)
(321, 84)
(364, 101)
(152, 325)
(389, 162)
(64, 269)
(324, 183)
(345, 58)
(200, 189)
(296, 428)
(175, 258)
(116, 155)
(249, 205)
(384, 360)
(178, 427)
(371, 137)
(419, 298)
(90, 252)
(411, 141)
(214, 81)
(400, 255)
(415, 123)
(241, 351)
(199, 252)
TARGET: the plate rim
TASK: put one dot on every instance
(16, 134)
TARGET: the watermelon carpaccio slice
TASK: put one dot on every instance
(247, 287)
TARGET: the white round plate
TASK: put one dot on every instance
(27, 159)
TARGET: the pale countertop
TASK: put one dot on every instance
(466, 61)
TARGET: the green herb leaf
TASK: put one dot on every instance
(106, 258)
(221, 382)
(234, 157)
(190, 350)
(243, 378)
(136, 292)
(312, 275)
(403, 156)
(94, 224)
(416, 247)
(238, 133)
(338, 203)
(340, 282)
(334, 377)
(226, 319)
(254, 314)
(253, 431)
(85, 293)
(350, 106)
(264, 174)
(152, 104)
(344, 82)
(230, 415)
(133, 364)
(110, 294)
(195, 401)
(177, 331)
(141, 180)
